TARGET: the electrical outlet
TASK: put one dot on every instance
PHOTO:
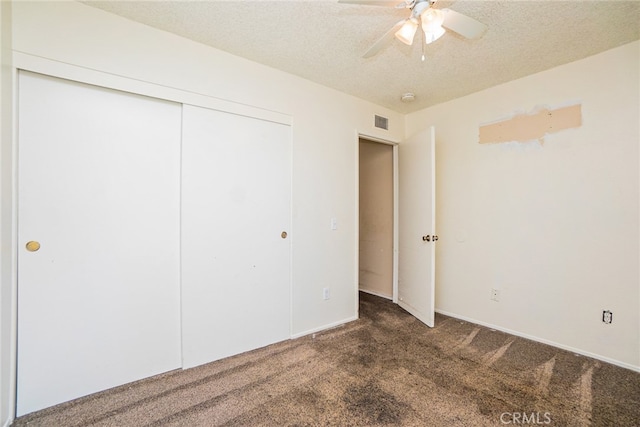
(607, 316)
(495, 295)
(326, 294)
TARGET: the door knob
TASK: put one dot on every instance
(435, 237)
(32, 246)
(283, 234)
(426, 238)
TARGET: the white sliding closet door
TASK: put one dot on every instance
(99, 183)
(236, 209)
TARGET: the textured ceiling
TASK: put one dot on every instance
(324, 40)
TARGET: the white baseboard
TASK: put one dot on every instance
(543, 341)
(324, 327)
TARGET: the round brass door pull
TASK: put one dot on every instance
(32, 246)
(283, 234)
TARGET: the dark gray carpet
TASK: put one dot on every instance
(384, 369)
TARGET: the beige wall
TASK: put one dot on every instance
(376, 218)
(554, 227)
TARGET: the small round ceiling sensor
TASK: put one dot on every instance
(408, 97)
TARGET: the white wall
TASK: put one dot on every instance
(6, 209)
(554, 227)
(324, 129)
(85, 41)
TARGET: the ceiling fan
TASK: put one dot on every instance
(433, 21)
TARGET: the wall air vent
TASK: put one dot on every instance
(381, 122)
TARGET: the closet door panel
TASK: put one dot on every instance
(99, 183)
(236, 237)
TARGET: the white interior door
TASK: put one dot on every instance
(98, 189)
(416, 275)
(236, 209)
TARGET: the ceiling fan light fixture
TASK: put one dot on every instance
(408, 30)
(432, 20)
(430, 37)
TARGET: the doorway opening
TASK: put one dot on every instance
(378, 230)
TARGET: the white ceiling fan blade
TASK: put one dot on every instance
(384, 40)
(462, 24)
(384, 3)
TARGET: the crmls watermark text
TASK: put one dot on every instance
(533, 418)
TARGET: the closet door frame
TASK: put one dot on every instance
(41, 65)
